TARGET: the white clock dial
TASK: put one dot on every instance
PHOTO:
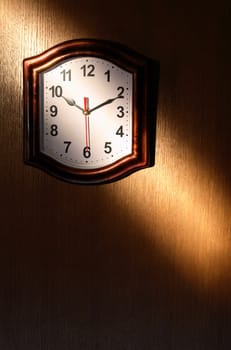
(86, 112)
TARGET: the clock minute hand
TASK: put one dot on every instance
(110, 100)
(72, 102)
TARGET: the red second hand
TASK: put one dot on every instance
(87, 126)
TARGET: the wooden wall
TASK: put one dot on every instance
(143, 263)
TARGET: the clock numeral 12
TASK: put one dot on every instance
(88, 70)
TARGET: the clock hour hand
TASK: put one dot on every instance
(72, 102)
(110, 100)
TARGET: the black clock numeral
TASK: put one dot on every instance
(66, 74)
(67, 143)
(121, 112)
(56, 91)
(121, 91)
(54, 130)
(88, 70)
(108, 74)
(120, 131)
(53, 111)
(107, 147)
(87, 152)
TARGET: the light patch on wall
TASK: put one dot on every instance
(195, 224)
(29, 24)
(28, 28)
(183, 210)
(22, 36)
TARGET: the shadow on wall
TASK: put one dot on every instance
(75, 285)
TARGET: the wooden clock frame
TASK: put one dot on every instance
(145, 84)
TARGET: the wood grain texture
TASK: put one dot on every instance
(143, 263)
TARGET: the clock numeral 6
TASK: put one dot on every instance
(107, 147)
(87, 152)
(56, 91)
(54, 130)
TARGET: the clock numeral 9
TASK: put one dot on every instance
(87, 152)
(53, 111)
(107, 147)
(54, 130)
(88, 70)
(56, 91)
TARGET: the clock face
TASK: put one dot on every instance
(85, 112)
(89, 111)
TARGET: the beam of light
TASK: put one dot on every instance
(26, 30)
(180, 203)
(23, 29)
(29, 27)
(184, 211)
(21, 38)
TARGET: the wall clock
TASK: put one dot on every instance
(89, 111)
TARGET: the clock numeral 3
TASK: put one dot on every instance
(121, 112)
